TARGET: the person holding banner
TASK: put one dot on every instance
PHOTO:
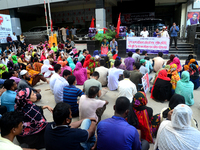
(144, 33)
(104, 47)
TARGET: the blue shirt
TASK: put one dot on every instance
(148, 66)
(130, 34)
(116, 134)
(154, 34)
(174, 32)
(8, 99)
(70, 94)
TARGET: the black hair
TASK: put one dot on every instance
(84, 50)
(147, 58)
(126, 74)
(66, 73)
(190, 57)
(121, 105)
(95, 74)
(102, 62)
(11, 72)
(8, 121)
(117, 63)
(61, 112)
(93, 91)
(160, 54)
(113, 38)
(57, 67)
(35, 50)
(71, 79)
(54, 43)
(130, 54)
(36, 59)
(144, 52)
(137, 65)
(8, 84)
(137, 50)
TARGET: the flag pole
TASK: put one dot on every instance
(50, 20)
(46, 16)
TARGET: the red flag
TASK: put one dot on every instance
(118, 25)
(92, 23)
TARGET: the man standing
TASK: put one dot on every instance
(193, 20)
(73, 32)
(156, 33)
(174, 34)
(15, 40)
(63, 34)
(126, 87)
(116, 133)
(67, 31)
(144, 33)
(113, 46)
(164, 33)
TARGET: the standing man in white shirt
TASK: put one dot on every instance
(15, 40)
(73, 32)
(144, 33)
(64, 35)
(126, 87)
(164, 33)
(59, 85)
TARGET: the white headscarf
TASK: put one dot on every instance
(178, 134)
(45, 68)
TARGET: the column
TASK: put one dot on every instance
(100, 14)
(183, 19)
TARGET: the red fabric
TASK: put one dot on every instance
(161, 75)
(87, 61)
(92, 23)
(118, 25)
(51, 69)
(104, 30)
(51, 25)
(104, 50)
(61, 46)
(115, 56)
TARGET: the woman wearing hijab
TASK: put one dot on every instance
(167, 67)
(185, 88)
(92, 65)
(178, 134)
(162, 87)
(178, 63)
(171, 59)
(144, 116)
(194, 75)
(107, 62)
(43, 57)
(174, 76)
(34, 123)
(64, 67)
(3, 71)
(87, 61)
(37, 65)
(80, 73)
(35, 76)
(71, 63)
(191, 61)
(81, 58)
(47, 70)
(10, 64)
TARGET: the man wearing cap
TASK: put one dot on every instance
(23, 83)
(164, 33)
(143, 69)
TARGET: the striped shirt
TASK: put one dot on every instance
(70, 94)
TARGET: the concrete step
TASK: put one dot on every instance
(181, 52)
(180, 49)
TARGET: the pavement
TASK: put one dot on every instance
(111, 96)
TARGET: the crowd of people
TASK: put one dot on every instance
(133, 125)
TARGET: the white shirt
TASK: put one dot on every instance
(164, 34)
(14, 37)
(5, 61)
(6, 144)
(63, 31)
(113, 76)
(127, 88)
(103, 73)
(88, 107)
(60, 83)
(53, 80)
(136, 57)
(144, 33)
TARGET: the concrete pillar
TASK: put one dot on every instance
(100, 14)
(183, 19)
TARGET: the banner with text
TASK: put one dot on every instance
(145, 82)
(5, 27)
(152, 45)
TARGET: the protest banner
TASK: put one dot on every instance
(152, 45)
(104, 50)
(145, 82)
(5, 27)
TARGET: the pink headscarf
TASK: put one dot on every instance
(177, 62)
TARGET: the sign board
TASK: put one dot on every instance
(5, 27)
(104, 51)
(92, 32)
(145, 82)
(152, 45)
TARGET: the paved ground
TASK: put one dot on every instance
(111, 96)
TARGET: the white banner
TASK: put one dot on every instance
(5, 27)
(152, 45)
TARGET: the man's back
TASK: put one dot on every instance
(143, 70)
(53, 80)
(113, 77)
(64, 137)
(158, 63)
(103, 73)
(116, 134)
(23, 84)
(58, 89)
(89, 83)
(8, 99)
(136, 57)
(135, 77)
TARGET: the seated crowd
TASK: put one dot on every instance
(132, 127)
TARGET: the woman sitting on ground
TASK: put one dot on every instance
(34, 122)
(178, 134)
(47, 70)
(178, 63)
(194, 75)
(4, 74)
(185, 88)
(174, 76)
(35, 76)
(80, 73)
(171, 59)
(162, 87)
(71, 63)
(37, 65)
